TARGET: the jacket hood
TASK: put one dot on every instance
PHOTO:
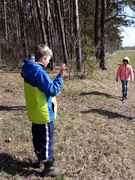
(30, 69)
(126, 59)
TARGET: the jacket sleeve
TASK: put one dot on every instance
(118, 73)
(132, 74)
(46, 85)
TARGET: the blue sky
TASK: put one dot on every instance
(129, 32)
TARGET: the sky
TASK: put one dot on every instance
(129, 32)
(129, 36)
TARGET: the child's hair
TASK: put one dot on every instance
(31, 56)
(42, 50)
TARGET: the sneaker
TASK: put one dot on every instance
(38, 164)
(53, 172)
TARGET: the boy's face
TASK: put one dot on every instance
(46, 60)
(32, 59)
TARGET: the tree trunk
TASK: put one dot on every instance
(49, 32)
(0, 56)
(40, 18)
(62, 33)
(71, 25)
(103, 33)
(96, 29)
(22, 27)
(78, 38)
(5, 20)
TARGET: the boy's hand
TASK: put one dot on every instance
(62, 69)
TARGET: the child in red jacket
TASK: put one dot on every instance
(125, 73)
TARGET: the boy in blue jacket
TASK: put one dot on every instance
(40, 92)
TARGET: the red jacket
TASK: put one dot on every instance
(125, 72)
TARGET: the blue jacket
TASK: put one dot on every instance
(40, 92)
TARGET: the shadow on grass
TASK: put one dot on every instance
(11, 108)
(13, 167)
(110, 114)
(99, 94)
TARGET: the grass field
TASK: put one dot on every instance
(94, 130)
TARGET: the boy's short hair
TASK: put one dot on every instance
(42, 50)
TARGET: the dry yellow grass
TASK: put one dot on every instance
(94, 130)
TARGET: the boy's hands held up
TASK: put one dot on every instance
(63, 67)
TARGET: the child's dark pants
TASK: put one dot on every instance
(43, 139)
